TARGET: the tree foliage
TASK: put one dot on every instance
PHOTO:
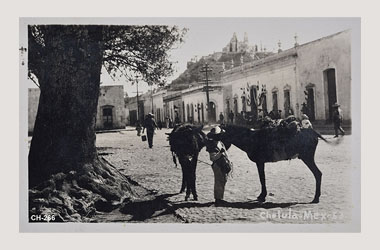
(129, 51)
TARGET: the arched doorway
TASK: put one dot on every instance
(275, 101)
(236, 106)
(287, 102)
(264, 104)
(107, 117)
(254, 102)
(212, 111)
(330, 89)
(243, 104)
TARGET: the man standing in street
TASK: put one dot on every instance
(337, 119)
(150, 125)
(231, 116)
(221, 118)
(219, 157)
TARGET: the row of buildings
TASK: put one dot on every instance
(307, 78)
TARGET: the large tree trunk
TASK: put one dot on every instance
(64, 136)
(66, 177)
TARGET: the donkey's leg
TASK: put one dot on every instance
(185, 165)
(188, 178)
(183, 186)
(310, 163)
(193, 177)
(263, 194)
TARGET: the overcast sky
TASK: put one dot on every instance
(208, 35)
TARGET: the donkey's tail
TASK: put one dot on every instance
(335, 142)
(321, 137)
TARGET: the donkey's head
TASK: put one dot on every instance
(186, 139)
(226, 136)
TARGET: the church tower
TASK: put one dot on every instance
(233, 43)
(245, 38)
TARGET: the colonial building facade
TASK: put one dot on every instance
(307, 78)
(110, 110)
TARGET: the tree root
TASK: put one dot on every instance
(77, 196)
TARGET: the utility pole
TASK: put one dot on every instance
(151, 94)
(137, 99)
(206, 69)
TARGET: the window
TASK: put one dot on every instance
(264, 103)
(236, 106)
(274, 101)
(244, 104)
(287, 103)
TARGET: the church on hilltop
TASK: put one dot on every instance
(235, 45)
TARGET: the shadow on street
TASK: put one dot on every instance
(150, 208)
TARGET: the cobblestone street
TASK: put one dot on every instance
(290, 184)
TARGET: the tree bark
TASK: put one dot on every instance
(64, 131)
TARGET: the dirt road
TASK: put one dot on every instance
(290, 184)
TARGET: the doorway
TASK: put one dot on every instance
(330, 81)
(236, 106)
(275, 101)
(254, 102)
(287, 103)
(310, 104)
(212, 112)
(107, 118)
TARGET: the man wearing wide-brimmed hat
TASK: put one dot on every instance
(150, 125)
(218, 152)
(337, 119)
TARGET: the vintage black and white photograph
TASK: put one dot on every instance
(248, 124)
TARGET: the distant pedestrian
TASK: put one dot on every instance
(170, 123)
(231, 117)
(221, 118)
(221, 165)
(159, 123)
(167, 122)
(305, 122)
(337, 119)
(150, 125)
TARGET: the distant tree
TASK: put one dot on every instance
(67, 61)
